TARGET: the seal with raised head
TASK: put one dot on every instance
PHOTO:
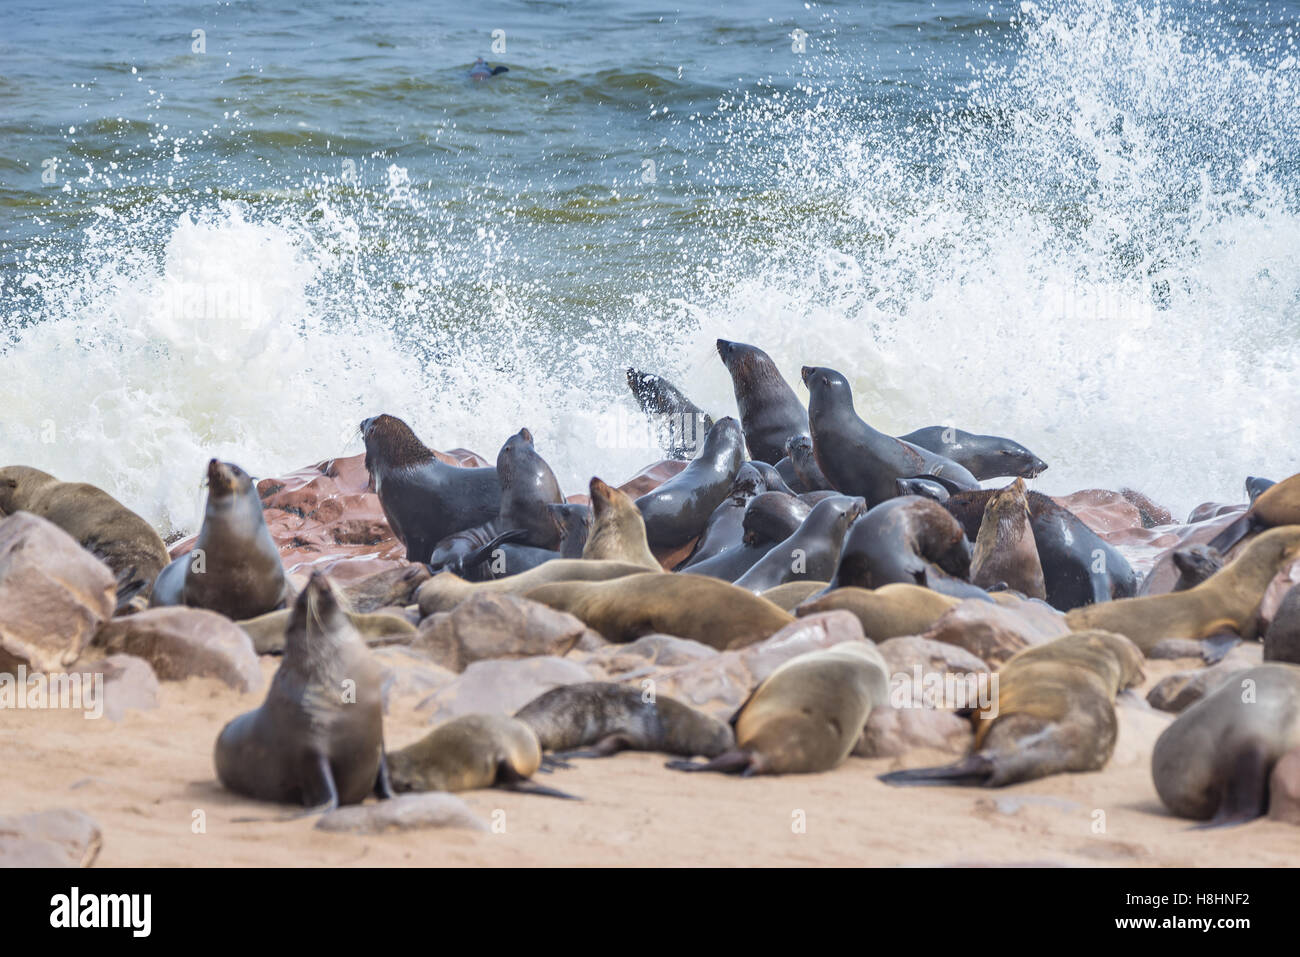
(1005, 552)
(618, 530)
(606, 718)
(1054, 712)
(855, 458)
(799, 448)
(234, 567)
(446, 590)
(678, 510)
(984, 456)
(1276, 506)
(770, 412)
(713, 612)
(679, 423)
(1213, 762)
(102, 525)
(909, 540)
(807, 715)
(1227, 602)
(528, 488)
(812, 552)
(470, 752)
(424, 499)
(318, 738)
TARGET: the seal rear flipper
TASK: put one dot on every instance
(508, 779)
(735, 761)
(551, 762)
(1244, 794)
(484, 552)
(1233, 533)
(609, 745)
(974, 771)
(1215, 647)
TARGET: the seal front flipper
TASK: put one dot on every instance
(974, 771)
(319, 792)
(735, 761)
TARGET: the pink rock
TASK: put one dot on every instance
(988, 631)
(185, 643)
(651, 477)
(496, 626)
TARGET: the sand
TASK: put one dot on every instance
(143, 778)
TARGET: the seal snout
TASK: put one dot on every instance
(221, 478)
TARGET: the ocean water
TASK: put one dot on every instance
(1074, 222)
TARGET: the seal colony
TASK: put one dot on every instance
(785, 516)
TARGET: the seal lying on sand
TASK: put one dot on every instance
(1055, 712)
(318, 738)
(807, 715)
(102, 525)
(234, 568)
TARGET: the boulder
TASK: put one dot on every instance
(57, 838)
(496, 626)
(185, 643)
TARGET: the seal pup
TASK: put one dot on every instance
(1226, 602)
(574, 522)
(1282, 638)
(446, 590)
(680, 424)
(903, 540)
(1005, 552)
(1195, 563)
(424, 500)
(234, 568)
(855, 458)
(606, 718)
(677, 511)
(1055, 712)
(807, 715)
(1276, 506)
(102, 525)
(799, 448)
(470, 752)
(812, 551)
(984, 456)
(724, 527)
(770, 412)
(713, 612)
(528, 488)
(318, 738)
(1213, 762)
(618, 530)
(889, 611)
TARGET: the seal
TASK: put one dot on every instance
(1255, 487)
(462, 552)
(470, 752)
(424, 500)
(984, 456)
(713, 612)
(482, 70)
(772, 478)
(1195, 563)
(607, 718)
(528, 488)
(318, 738)
(890, 611)
(678, 510)
(1282, 639)
(790, 595)
(807, 715)
(390, 627)
(854, 457)
(770, 412)
(1227, 602)
(770, 517)
(1213, 762)
(446, 590)
(102, 525)
(618, 530)
(924, 487)
(908, 540)
(1275, 506)
(724, 527)
(799, 448)
(812, 552)
(680, 424)
(574, 522)
(1079, 566)
(1055, 713)
(1005, 552)
(234, 568)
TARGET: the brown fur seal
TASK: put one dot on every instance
(1055, 712)
(470, 752)
(984, 456)
(725, 527)
(1227, 602)
(528, 486)
(854, 457)
(610, 718)
(791, 594)
(812, 551)
(677, 511)
(680, 424)
(803, 462)
(267, 632)
(445, 591)
(234, 567)
(102, 525)
(707, 610)
(1195, 564)
(318, 738)
(1282, 639)
(1213, 763)
(807, 715)
(770, 412)
(617, 530)
(424, 500)
(909, 540)
(574, 521)
(1005, 552)
(886, 612)
(1277, 505)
